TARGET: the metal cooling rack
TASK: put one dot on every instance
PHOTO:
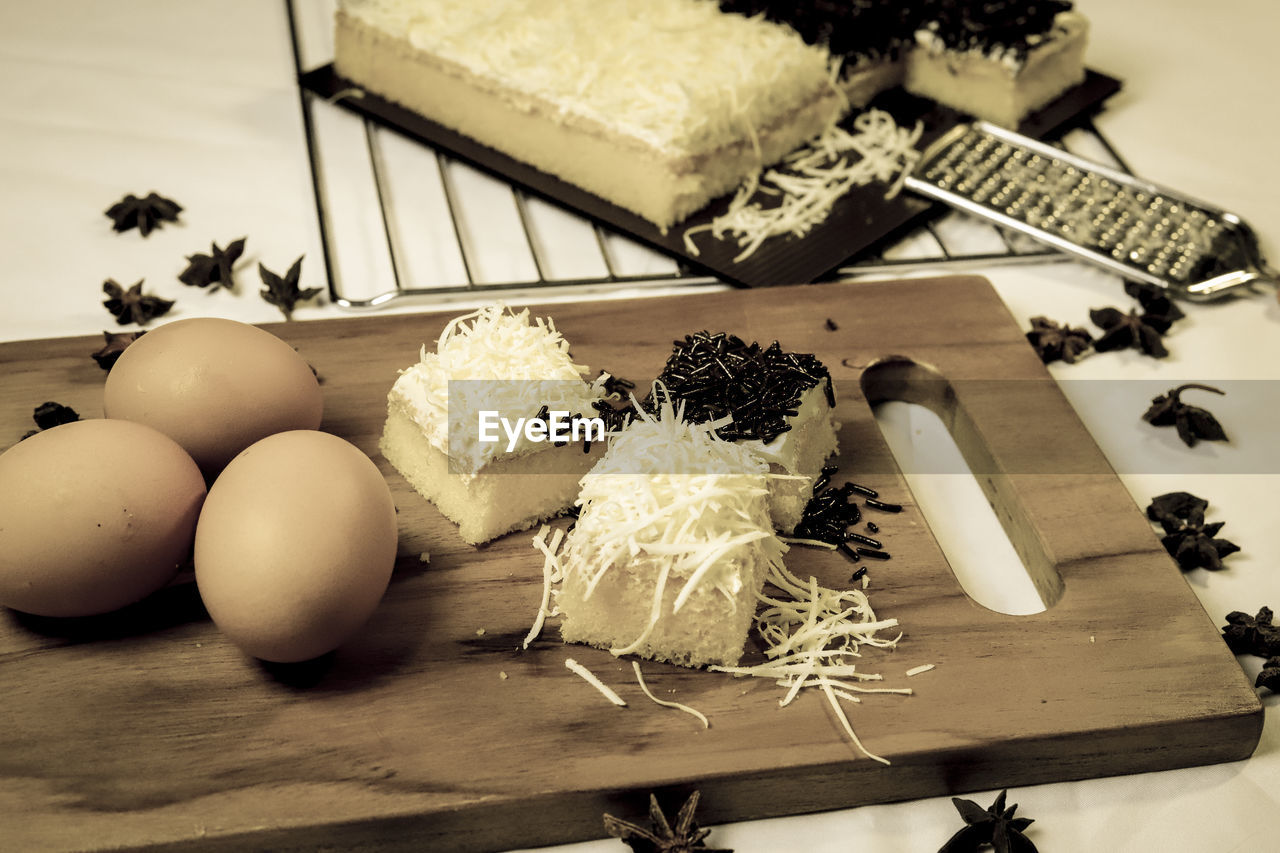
(401, 221)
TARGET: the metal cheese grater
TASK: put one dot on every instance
(1142, 231)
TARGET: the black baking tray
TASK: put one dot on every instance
(859, 221)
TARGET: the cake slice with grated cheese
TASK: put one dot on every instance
(657, 106)
(671, 547)
(779, 405)
(490, 364)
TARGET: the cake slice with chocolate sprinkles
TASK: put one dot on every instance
(779, 404)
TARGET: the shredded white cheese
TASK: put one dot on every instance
(677, 495)
(848, 727)
(812, 543)
(916, 670)
(679, 75)
(666, 703)
(812, 179)
(550, 576)
(589, 677)
(492, 359)
(813, 636)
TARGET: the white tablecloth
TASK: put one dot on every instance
(199, 102)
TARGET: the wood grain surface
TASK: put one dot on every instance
(431, 730)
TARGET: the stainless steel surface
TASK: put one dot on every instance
(1135, 228)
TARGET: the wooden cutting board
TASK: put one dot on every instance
(431, 730)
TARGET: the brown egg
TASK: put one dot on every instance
(295, 545)
(214, 386)
(94, 515)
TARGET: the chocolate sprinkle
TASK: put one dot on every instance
(873, 553)
(863, 490)
(829, 515)
(616, 385)
(719, 375)
(882, 506)
(863, 540)
(870, 29)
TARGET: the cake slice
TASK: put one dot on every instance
(998, 61)
(672, 545)
(444, 430)
(779, 405)
(656, 106)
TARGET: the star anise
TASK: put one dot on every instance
(1121, 331)
(1054, 342)
(1191, 542)
(1154, 300)
(116, 343)
(132, 305)
(284, 292)
(145, 214)
(214, 269)
(1252, 635)
(683, 838)
(1193, 423)
(49, 415)
(994, 826)
(1269, 677)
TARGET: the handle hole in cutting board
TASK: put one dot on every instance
(920, 416)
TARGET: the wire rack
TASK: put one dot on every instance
(402, 221)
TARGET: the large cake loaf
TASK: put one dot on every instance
(660, 106)
(656, 105)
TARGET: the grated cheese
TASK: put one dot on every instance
(492, 359)
(812, 638)
(813, 543)
(679, 75)
(666, 703)
(848, 727)
(550, 576)
(916, 670)
(589, 677)
(812, 179)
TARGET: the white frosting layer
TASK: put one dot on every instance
(678, 74)
(785, 449)
(491, 360)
